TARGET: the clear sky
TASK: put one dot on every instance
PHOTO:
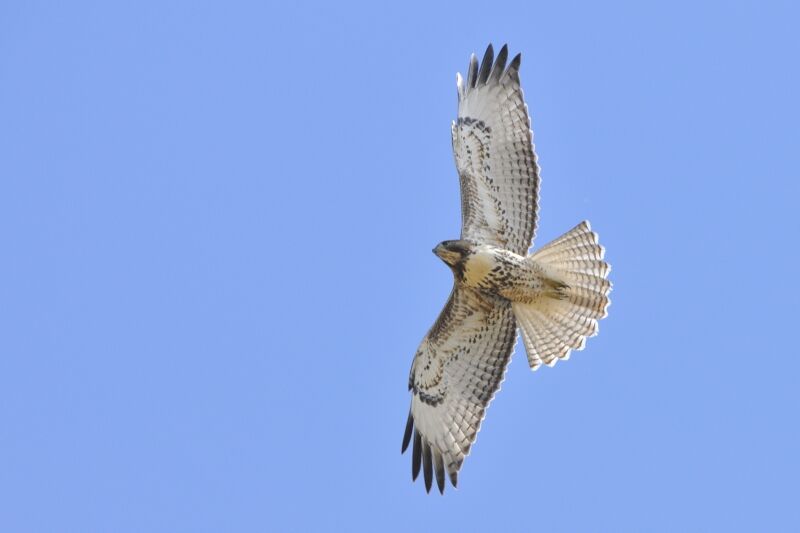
(216, 224)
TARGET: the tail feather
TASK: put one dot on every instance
(592, 303)
(592, 267)
(554, 326)
(575, 246)
(587, 281)
(581, 234)
(581, 326)
(583, 252)
(538, 333)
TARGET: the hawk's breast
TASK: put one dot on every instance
(488, 267)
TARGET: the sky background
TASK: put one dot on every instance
(216, 223)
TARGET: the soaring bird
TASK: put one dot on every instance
(555, 295)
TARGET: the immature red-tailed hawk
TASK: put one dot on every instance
(555, 296)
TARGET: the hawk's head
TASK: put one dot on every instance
(453, 252)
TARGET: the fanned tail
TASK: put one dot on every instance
(555, 325)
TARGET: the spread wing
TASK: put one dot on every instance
(457, 370)
(493, 147)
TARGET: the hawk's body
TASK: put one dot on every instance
(498, 271)
(555, 296)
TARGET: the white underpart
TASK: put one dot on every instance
(479, 265)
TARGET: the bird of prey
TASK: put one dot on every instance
(555, 295)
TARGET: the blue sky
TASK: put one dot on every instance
(216, 223)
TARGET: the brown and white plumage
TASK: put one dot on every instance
(493, 147)
(457, 370)
(555, 296)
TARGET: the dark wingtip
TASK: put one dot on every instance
(407, 435)
(472, 73)
(416, 456)
(514, 66)
(454, 479)
(486, 65)
(500, 63)
(427, 468)
(438, 464)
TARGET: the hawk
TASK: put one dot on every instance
(555, 296)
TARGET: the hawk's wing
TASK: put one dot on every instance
(493, 147)
(456, 371)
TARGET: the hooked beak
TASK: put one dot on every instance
(448, 256)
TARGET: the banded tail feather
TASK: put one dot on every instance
(552, 327)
